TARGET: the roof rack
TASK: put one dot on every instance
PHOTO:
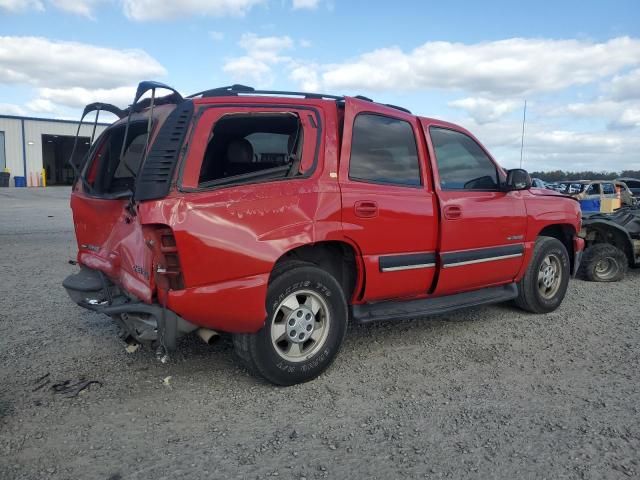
(237, 90)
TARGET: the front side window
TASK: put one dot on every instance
(253, 147)
(608, 189)
(383, 150)
(462, 163)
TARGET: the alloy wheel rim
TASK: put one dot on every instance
(550, 276)
(300, 326)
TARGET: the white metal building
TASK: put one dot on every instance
(28, 145)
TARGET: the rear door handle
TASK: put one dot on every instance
(366, 209)
(452, 212)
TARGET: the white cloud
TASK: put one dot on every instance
(625, 87)
(551, 147)
(42, 62)
(306, 77)
(261, 54)
(570, 150)
(629, 118)
(78, 7)
(216, 36)
(249, 68)
(618, 114)
(305, 4)
(515, 66)
(21, 5)
(484, 110)
(600, 108)
(12, 109)
(145, 10)
(78, 97)
(41, 105)
(265, 48)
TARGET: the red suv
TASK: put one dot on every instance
(280, 216)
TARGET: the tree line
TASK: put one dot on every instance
(559, 175)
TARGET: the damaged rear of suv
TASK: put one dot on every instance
(128, 259)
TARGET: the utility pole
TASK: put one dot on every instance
(524, 119)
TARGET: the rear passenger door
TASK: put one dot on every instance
(387, 208)
(482, 228)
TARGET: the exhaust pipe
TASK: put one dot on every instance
(208, 336)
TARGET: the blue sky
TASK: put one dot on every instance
(576, 63)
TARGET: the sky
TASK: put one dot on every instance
(576, 63)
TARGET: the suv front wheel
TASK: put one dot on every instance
(545, 282)
(305, 326)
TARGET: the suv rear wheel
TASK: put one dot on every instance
(545, 282)
(603, 262)
(306, 324)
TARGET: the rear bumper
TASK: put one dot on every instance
(144, 322)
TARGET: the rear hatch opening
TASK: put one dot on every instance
(111, 237)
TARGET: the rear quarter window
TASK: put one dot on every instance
(253, 147)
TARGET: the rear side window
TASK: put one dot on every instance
(383, 150)
(106, 172)
(462, 163)
(253, 147)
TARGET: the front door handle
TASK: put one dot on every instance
(452, 212)
(366, 209)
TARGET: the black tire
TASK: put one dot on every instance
(530, 290)
(259, 353)
(603, 262)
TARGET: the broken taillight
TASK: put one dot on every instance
(168, 261)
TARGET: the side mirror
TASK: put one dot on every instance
(517, 179)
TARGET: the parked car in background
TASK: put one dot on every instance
(599, 195)
(279, 217)
(632, 183)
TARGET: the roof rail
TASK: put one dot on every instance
(237, 89)
(402, 109)
(367, 99)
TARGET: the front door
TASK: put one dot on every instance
(483, 228)
(387, 208)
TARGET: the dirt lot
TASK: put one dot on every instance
(484, 393)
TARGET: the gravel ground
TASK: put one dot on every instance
(484, 393)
